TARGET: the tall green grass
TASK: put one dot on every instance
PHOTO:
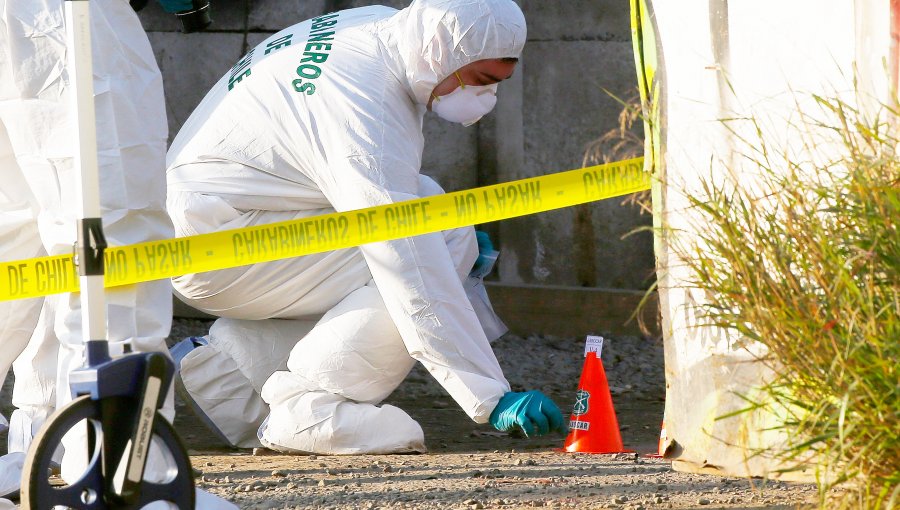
(805, 259)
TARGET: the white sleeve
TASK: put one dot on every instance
(421, 289)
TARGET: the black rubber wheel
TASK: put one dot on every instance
(42, 492)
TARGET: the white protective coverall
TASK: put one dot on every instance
(38, 205)
(327, 115)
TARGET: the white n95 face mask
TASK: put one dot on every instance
(467, 104)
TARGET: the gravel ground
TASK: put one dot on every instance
(471, 466)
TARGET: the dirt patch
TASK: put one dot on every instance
(483, 479)
(471, 466)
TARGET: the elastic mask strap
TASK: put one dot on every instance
(461, 85)
(458, 77)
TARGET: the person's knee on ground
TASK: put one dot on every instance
(326, 401)
(355, 351)
(318, 422)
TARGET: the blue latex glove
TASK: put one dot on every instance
(531, 411)
(176, 5)
(485, 248)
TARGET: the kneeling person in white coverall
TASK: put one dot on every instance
(327, 116)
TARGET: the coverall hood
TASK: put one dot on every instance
(434, 38)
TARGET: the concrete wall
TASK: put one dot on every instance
(555, 105)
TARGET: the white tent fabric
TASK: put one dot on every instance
(732, 60)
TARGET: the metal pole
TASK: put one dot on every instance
(91, 242)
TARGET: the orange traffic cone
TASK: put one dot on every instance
(593, 427)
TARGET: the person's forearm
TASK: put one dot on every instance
(428, 304)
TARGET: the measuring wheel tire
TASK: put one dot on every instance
(40, 491)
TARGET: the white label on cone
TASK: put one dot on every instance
(593, 344)
(579, 425)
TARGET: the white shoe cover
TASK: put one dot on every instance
(221, 396)
(24, 424)
(6, 504)
(209, 501)
(222, 380)
(327, 424)
(204, 501)
(11, 466)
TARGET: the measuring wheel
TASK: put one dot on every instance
(41, 490)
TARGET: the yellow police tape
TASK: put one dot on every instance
(155, 260)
